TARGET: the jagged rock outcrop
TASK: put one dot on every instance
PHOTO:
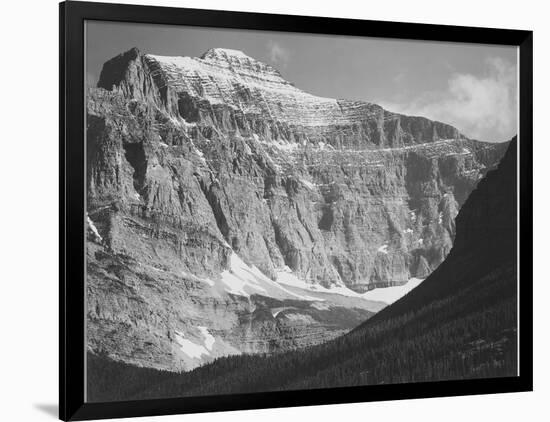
(195, 161)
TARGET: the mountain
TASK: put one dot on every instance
(459, 323)
(229, 211)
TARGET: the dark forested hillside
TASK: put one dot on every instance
(459, 323)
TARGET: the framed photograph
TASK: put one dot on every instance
(267, 210)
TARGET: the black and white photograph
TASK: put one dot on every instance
(278, 211)
(247, 211)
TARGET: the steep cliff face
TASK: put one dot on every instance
(460, 323)
(213, 183)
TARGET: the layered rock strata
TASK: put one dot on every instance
(225, 203)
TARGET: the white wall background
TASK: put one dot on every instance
(29, 210)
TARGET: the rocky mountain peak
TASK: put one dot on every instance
(236, 92)
(240, 63)
(226, 54)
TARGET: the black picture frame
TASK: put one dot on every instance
(72, 17)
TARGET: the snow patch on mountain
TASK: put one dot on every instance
(209, 339)
(93, 228)
(308, 184)
(320, 306)
(387, 295)
(241, 279)
(244, 280)
(383, 249)
(391, 294)
(191, 349)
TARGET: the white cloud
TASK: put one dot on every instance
(482, 107)
(278, 54)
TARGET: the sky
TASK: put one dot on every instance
(471, 86)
